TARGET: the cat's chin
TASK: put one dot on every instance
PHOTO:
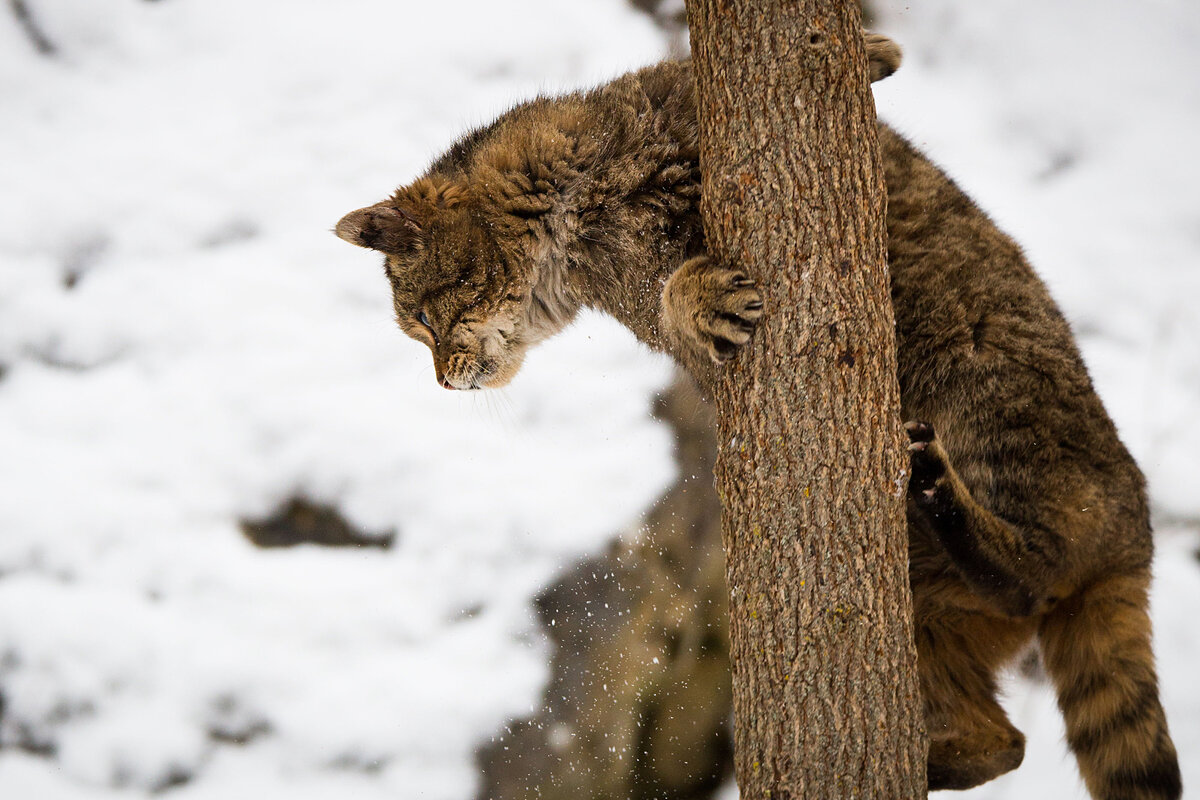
(495, 376)
(501, 376)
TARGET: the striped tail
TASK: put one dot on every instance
(1097, 650)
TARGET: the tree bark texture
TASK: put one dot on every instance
(811, 465)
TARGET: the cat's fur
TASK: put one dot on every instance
(1027, 517)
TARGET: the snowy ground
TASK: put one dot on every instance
(184, 344)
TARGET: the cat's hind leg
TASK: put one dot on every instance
(971, 740)
(1015, 570)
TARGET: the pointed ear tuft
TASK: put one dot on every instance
(382, 227)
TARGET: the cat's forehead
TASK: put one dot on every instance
(457, 262)
(442, 279)
(456, 238)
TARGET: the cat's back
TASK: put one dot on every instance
(986, 356)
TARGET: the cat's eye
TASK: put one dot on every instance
(423, 318)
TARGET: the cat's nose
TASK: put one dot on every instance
(446, 384)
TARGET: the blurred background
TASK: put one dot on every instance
(249, 548)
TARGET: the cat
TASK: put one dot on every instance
(1028, 519)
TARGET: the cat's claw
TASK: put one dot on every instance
(713, 308)
(928, 464)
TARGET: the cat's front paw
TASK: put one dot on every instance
(712, 308)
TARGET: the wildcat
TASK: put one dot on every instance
(1027, 517)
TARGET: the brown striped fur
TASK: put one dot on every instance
(1027, 516)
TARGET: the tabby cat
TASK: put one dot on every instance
(1027, 517)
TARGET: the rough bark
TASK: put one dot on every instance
(811, 465)
(673, 21)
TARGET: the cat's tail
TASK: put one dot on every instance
(1096, 646)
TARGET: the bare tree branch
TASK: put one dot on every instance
(32, 30)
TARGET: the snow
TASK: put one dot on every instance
(181, 164)
(221, 351)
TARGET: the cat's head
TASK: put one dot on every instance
(460, 284)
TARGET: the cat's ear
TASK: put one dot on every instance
(384, 227)
(883, 54)
(398, 225)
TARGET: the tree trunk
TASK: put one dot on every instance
(812, 466)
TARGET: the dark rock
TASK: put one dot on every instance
(302, 521)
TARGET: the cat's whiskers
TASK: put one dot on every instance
(499, 408)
